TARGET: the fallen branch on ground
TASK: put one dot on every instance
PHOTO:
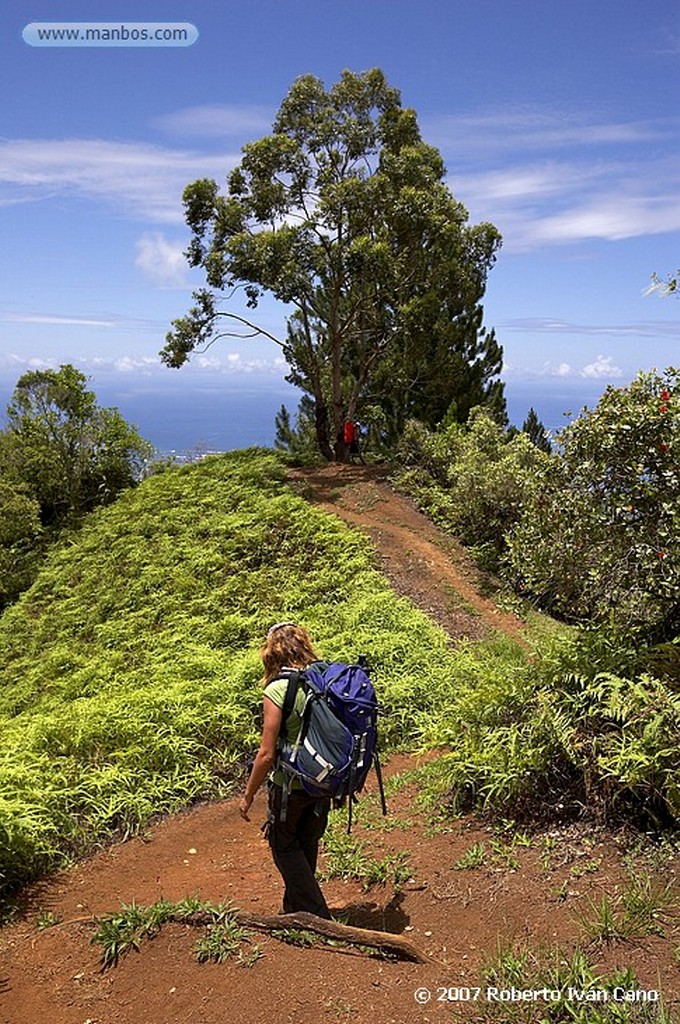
(386, 941)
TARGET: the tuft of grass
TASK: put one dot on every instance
(125, 930)
(222, 941)
(601, 922)
(473, 858)
(346, 857)
(298, 937)
(587, 867)
(570, 990)
(47, 919)
(641, 909)
(340, 1007)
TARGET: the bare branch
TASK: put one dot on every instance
(254, 328)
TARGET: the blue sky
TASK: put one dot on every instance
(557, 121)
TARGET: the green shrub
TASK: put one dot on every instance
(600, 539)
(474, 480)
(564, 736)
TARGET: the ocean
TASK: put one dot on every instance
(182, 417)
(207, 419)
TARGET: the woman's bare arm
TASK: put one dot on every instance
(265, 757)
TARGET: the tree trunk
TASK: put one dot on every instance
(321, 424)
(341, 449)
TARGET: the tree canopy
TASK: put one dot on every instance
(65, 450)
(343, 214)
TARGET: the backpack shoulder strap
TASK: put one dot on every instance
(293, 676)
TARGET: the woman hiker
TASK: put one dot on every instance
(294, 842)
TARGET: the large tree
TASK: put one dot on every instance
(343, 214)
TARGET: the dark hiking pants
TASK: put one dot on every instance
(295, 845)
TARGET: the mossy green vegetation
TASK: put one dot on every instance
(130, 670)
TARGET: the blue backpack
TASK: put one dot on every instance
(338, 737)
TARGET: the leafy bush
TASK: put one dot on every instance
(600, 538)
(564, 736)
(473, 480)
(72, 454)
(20, 536)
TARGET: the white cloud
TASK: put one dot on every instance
(534, 205)
(610, 217)
(54, 318)
(143, 180)
(517, 129)
(231, 364)
(217, 121)
(533, 173)
(125, 323)
(18, 364)
(634, 329)
(131, 364)
(557, 370)
(602, 369)
(523, 182)
(207, 363)
(161, 260)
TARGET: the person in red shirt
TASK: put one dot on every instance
(351, 437)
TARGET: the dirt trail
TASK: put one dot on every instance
(527, 895)
(458, 916)
(422, 562)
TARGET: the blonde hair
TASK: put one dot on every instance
(286, 645)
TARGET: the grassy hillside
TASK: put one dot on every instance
(130, 674)
(130, 670)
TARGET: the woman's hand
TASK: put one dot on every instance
(244, 807)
